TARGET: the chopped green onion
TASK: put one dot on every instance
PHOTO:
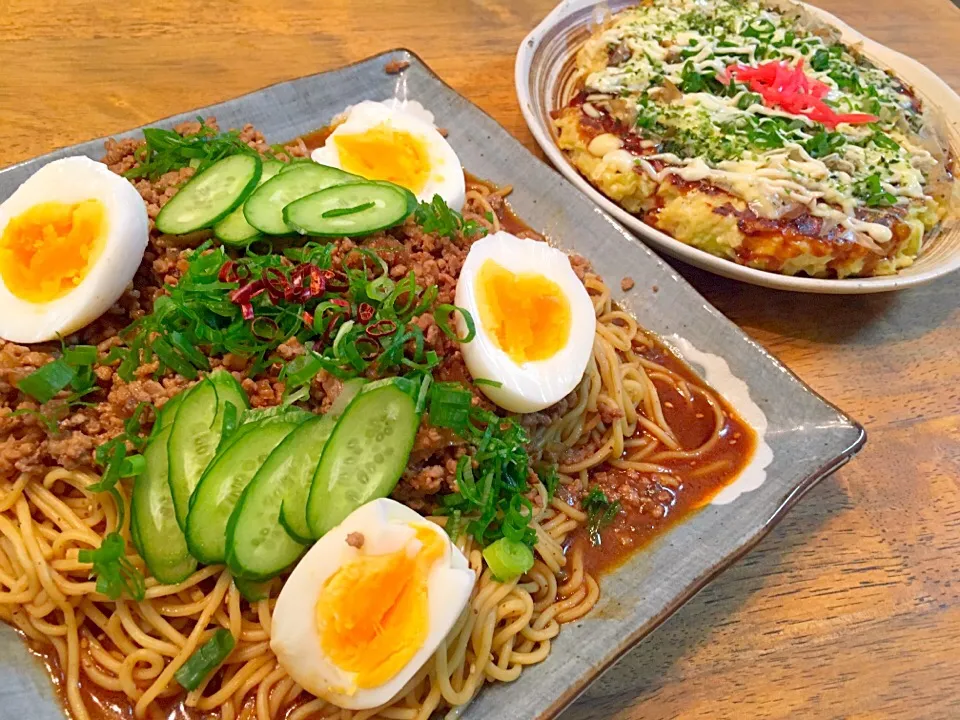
(882, 140)
(206, 659)
(301, 370)
(442, 315)
(820, 60)
(116, 575)
(341, 336)
(110, 456)
(453, 524)
(466, 484)
(485, 381)
(380, 288)
(169, 357)
(430, 361)
(80, 355)
(450, 405)
(508, 559)
(45, 382)
(189, 350)
(600, 512)
(50, 423)
(338, 212)
(550, 477)
(423, 393)
(132, 466)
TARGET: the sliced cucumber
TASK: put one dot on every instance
(296, 163)
(211, 195)
(348, 210)
(234, 228)
(168, 412)
(264, 208)
(365, 456)
(258, 547)
(160, 541)
(252, 591)
(223, 482)
(293, 510)
(195, 435)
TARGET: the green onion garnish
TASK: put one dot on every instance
(80, 355)
(380, 288)
(424, 393)
(115, 574)
(490, 383)
(301, 370)
(207, 658)
(443, 314)
(450, 404)
(338, 212)
(508, 559)
(600, 512)
(437, 217)
(45, 382)
(132, 466)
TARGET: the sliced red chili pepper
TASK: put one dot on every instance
(317, 282)
(342, 303)
(246, 309)
(276, 283)
(296, 287)
(228, 272)
(365, 313)
(336, 280)
(381, 328)
(308, 318)
(246, 293)
(368, 348)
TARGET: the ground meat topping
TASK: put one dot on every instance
(627, 284)
(394, 67)
(355, 540)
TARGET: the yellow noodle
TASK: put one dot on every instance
(613, 418)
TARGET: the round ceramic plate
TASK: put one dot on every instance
(543, 74)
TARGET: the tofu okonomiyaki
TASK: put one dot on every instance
(319, 429)
(750, 131)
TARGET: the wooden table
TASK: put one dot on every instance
(851, 607)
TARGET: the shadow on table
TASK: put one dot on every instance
(634, 682)
(828, 319)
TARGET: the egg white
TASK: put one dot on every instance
(385, 526)
(533, 385)
(73, 180)
(446, 174)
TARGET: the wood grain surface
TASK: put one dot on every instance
(851, 607)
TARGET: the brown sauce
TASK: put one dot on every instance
(661, 506)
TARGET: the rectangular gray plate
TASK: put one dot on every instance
(809, 437)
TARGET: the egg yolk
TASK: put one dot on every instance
(526, 314)
(384, 152)
(373, 612)
(46, 251)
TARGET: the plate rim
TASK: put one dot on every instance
(523, 66)
(852, 440)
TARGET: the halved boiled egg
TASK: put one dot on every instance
(369, 604)
(399, 143)
(71, 239)
(535, 321)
